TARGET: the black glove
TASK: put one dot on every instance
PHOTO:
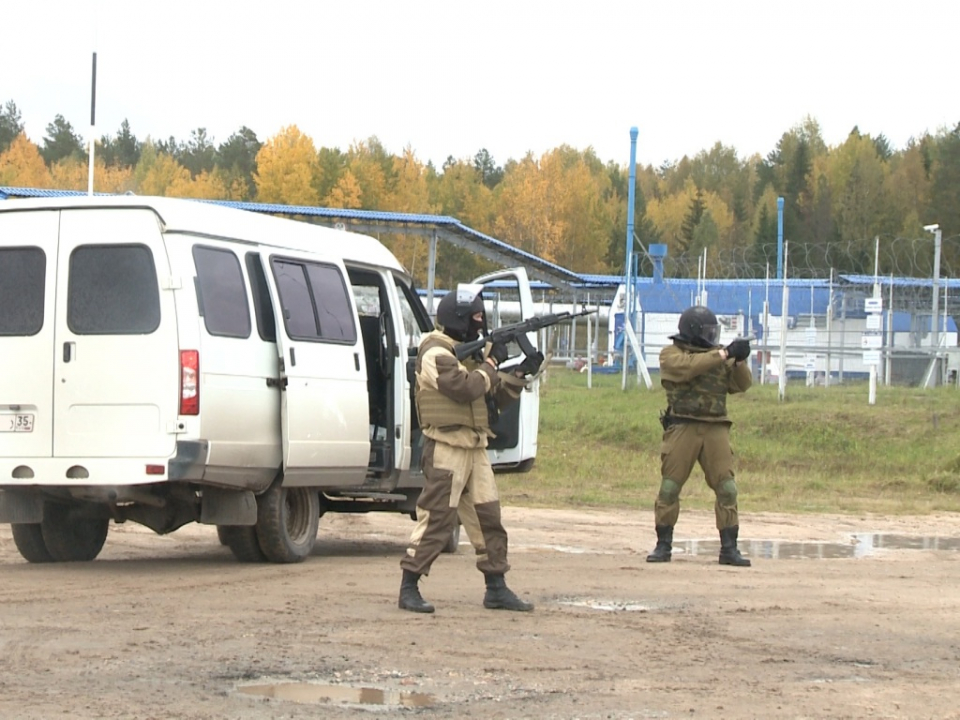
(499, 352)
(530, 365)
(739, 349)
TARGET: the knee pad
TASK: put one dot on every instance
(669, 491)
(727, 492)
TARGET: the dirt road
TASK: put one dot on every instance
(831, 622)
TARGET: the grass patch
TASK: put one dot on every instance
(820, 450)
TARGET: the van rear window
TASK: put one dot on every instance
(314, 301)
(221, 292)
(112, 290)
(22, 281)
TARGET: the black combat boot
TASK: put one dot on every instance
(410, 598)
(729, 555)
(500, 597)
(664, 549)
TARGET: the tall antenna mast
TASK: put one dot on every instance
(93, 122)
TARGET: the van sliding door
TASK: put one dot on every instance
(324, 414)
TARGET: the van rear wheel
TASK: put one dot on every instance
(242, 541)
(287, 522)
(29, 541)
(71, 534)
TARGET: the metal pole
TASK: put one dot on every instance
(628, 298)
(590, 344)
(93, 123)
(431, 271)
(826, 378)
(779, 238)
(888, 375)
(784, 308)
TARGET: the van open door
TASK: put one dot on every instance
(515, 447)
(323, 377)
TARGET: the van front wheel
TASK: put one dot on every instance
(287, 522)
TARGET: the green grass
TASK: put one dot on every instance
(821, 450)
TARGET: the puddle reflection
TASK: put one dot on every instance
(860, 545)
(314, 693)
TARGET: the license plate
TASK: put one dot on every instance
(16, 422)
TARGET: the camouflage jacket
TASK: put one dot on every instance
(698, 380)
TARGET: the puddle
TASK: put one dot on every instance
(607, 605)
(860, 545)
(343, 694)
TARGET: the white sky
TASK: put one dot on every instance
(448, 77)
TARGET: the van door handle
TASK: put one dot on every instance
(278, 383)
(356, 361)
(69, 353)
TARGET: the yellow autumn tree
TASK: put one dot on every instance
(288, 170)
(21, 165)
(157, 172)
(345, 194)
(71, 174)
(410, 194)
(368, 162)
(205, 186)
(524, 219)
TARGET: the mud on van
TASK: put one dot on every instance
(174, 361)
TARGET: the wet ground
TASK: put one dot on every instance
(840, 617)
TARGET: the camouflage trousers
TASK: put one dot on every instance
(457, 482)
(706, 443)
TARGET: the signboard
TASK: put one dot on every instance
(810, 336)
(809, 362)
(871, 342)
(871, 357)
(874, 322)
(873, 305)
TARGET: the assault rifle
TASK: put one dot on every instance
(516, 333)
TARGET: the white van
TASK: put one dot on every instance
(173, 361)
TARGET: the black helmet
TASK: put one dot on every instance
(456, 310)
(698, 326)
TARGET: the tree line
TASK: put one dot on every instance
(566, 206)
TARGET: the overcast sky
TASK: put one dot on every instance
(451, 77)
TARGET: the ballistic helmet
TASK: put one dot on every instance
(456, 310)
(698, 326)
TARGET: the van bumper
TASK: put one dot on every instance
(187, 464)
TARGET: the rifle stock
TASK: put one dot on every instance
(516, 333)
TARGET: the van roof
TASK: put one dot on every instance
(197, 217)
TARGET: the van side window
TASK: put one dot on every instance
(112, 290)
(314, 301)
(222, 294)
(22, 281)
(262, 307)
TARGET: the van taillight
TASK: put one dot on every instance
(189, 382)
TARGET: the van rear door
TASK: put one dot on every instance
(116, 379)
(28, 264)
(515, 446)
(325, 419)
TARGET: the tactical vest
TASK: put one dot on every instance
(437, 410)
(704, 396)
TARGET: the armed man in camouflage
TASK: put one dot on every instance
(697, 375)
(454, 401)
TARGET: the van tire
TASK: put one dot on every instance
(242, 541)
(453, 542)
(71, 535)
(29, 541)
(287, 522)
